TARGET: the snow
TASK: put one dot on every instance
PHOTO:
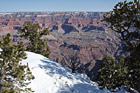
(51, 77)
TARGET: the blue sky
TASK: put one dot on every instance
(57, 5)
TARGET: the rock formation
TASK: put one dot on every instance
(71, 32)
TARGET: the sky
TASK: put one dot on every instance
(57, 5)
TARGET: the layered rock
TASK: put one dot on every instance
(71, 32)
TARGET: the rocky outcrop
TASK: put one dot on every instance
(71, 32)
(51, 20)
(54, 28)
(92, 27)
(69, 28)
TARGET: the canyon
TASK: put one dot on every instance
(71, 33)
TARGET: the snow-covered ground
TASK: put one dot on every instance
(51, 77)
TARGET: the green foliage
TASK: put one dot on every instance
(133, 65)
(112, 73)
(13, 75)
(33, 33)
(125, 20)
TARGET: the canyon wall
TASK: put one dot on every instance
(70, 33)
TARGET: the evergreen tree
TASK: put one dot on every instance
(125, 20)
(33, 33)
(13, 75)
(112, 73)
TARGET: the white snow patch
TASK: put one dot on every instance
(51, 77)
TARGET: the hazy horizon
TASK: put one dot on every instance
(57, 5)
(51, 11)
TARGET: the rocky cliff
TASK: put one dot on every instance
(71, 32)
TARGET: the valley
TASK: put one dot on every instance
(71, 33)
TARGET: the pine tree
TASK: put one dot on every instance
(125, 19)
(13, 75)
(112, 73)
(33, 33)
